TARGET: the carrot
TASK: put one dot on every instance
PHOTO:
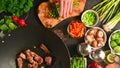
(76, 29)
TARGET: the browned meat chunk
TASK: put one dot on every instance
(20, 62)
(22, 55)
(29, 56)
(32, 57)
(48, 60)
(34, 65)
(30, 65)
(44, 48)
(39, 59)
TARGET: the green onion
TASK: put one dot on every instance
(106, 9)
(113, 22)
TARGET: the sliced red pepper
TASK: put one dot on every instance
(15, 18)
(21, 22)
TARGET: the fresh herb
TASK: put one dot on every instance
(106, 9)
(75, 4)
(55, 10)
(113, 22)
(16, 7)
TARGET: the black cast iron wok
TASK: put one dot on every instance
(26, 37)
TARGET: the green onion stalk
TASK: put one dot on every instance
(105, 9)
(113, 22)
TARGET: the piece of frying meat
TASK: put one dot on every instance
(22, 55)
(38, 58)
(33, 65)
(44, 48)
(20, 62)
(48, 60)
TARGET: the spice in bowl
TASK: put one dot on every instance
(89, 18)
(96, 37)
(76, 29)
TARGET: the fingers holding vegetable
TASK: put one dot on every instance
(65, 7)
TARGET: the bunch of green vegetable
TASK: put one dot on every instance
(78, 62)
(106, 9)
(55, 9)
(16, 7)
(108, 26)
(7, 25)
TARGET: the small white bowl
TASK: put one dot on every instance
(69, 31)
(112, 51)
(97, 17)
(105, 37)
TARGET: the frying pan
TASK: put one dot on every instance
(26, 38)
(22, 39)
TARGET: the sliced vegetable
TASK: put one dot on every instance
(21, 22)
(113, 44)
(78, 62)
(15, 18)
(118, 41)
(7, 24)
(89, 18)
(76, 29)
(116, 36)
(110, 57)
(117, 49)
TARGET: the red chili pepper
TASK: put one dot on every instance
(21, 22)
(15, 18)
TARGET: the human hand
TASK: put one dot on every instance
(65, 7)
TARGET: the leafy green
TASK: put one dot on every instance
(2, 21)
(54, 11)
(7, 24)
(75, 4)
(4, 27)
(16, 7)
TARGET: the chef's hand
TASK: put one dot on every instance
(65, 7)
